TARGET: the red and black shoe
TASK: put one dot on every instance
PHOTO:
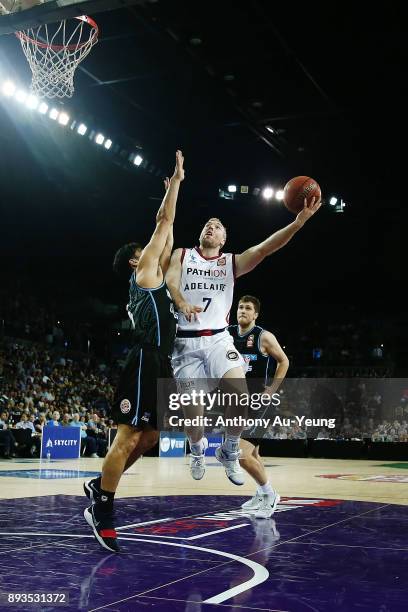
(103, 528)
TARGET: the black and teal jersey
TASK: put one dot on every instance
(260, 366)
(152, 315)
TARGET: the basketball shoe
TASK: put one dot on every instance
(268, 505)
(102, 526)
(230, 461)
(253, 503)
(92, 488)
(197, 462)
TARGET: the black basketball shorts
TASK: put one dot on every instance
(135, 400)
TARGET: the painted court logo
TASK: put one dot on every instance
(125, 406)
(367, 477)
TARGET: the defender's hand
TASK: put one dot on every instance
(179, 169)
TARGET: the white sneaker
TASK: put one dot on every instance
(268, 505)
(253, 503)
(230, 461)
(197, 462)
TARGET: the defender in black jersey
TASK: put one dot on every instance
(153, 319)
(267, 365)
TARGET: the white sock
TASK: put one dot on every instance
(231, 443)
(266, 489)
(197, 447)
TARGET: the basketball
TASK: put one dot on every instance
(297, 189)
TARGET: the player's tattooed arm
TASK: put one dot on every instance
(249, 259)
(173, 278)
(271, 346)
(149, 272)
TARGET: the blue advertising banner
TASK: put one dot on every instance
(213, 443)
(61, 442)
(172, 444)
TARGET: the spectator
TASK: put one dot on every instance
(55, 421)
(25, 423)
(88, 443)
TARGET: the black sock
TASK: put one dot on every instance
(104, 502)
(98, 481)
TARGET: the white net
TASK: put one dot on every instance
(54, 52)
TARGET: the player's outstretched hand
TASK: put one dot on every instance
(309, 209)
(179, 169)
(189, 310)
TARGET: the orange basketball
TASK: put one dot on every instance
(297, 189)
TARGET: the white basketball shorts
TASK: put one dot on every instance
(205, 356)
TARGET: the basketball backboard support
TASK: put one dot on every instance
(16, 15)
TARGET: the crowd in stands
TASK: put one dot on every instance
(43, 382)
(38, 387)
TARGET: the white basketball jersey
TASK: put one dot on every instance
(208, 283)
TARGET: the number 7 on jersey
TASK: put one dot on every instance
(208, 300)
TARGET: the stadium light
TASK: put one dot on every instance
(279, 194)
(53, 114)
(82, 129)
(43, 108)
(333, 201)
(8, 89)
(32, 102)
(63, 119)
(99, 138)
(267, 193)
(21, 95)
(138, 160)
(270, 129)
(108, 144)
(232, 188)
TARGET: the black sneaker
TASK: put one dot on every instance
(103, 529)
(92, 488)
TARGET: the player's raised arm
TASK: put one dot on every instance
(173, 278)
(149, 272)
(249, 259)
(168, 247)
(271, 346)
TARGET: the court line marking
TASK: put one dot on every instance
(201, 535)
(280, 543)
(39, 533)
(261, 574)
(145, 523)
(244, 560)
(238, 606)
(349, 545)
(205, 535)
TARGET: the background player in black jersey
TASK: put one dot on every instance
(267, 365)
(153, 320)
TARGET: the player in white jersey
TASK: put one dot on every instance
(201, 282)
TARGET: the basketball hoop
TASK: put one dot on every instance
(55, 51)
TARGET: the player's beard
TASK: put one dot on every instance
(209, 242)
